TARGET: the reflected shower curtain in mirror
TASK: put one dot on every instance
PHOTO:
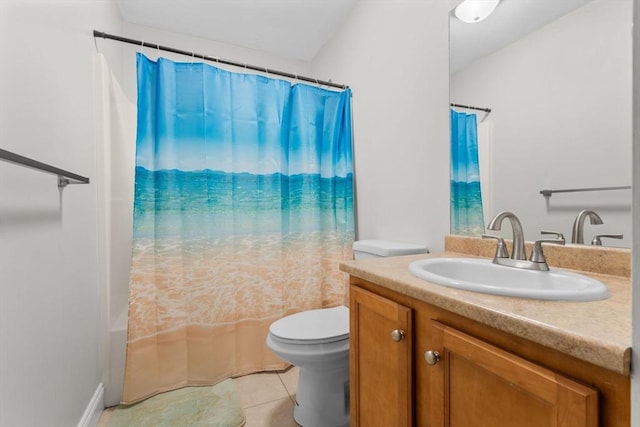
(243, 210)
(466, 197)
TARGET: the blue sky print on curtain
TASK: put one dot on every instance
(466, 197)
(243, 209)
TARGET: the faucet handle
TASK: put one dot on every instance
(597, 242)
(553, 233)
(501, 248)
(537, 255)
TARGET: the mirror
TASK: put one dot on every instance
(559, 86)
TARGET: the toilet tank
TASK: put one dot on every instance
(363, 249)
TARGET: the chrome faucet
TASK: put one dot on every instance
(536, 261)
(577, 232)
(518, 235)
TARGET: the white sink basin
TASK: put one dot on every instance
(481, 275)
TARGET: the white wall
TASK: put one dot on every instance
(561, 100)
(394, 56)
(49, 304)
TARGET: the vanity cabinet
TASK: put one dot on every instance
(477, 384)
(474, 376)
(380, 354)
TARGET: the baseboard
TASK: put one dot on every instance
(92, 414)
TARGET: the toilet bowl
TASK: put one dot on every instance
(317, 342)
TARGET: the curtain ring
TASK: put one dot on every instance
(142, 48)
(193, 55)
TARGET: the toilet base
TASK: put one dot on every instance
(322, 398)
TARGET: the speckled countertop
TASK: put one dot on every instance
(598, 332)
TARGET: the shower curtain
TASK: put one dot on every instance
(243, 209)
(466, 198)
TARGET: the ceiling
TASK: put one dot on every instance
(290, 28)
(512, 20)
(299, 28)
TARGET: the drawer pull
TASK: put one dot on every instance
(398, 335)
(432, 357)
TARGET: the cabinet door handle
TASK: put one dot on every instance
(432, 357)
(398, 335)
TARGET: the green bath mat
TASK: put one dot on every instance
(212, 406)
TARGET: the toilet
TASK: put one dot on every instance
(317, 342)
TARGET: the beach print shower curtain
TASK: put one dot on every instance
(243, 209)
(466, 197)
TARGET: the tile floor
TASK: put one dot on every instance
(267, 399)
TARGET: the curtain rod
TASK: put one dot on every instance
(468, 107)
(216, 59)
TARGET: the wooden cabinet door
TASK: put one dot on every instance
(380, 361)
(476, 384)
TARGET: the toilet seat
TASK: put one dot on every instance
(313, 326)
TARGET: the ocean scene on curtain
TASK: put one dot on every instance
(466, 197)
(243, 209)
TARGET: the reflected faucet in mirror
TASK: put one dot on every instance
(577, 232)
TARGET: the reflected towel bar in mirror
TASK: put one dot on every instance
(64, 177)
(548, 193)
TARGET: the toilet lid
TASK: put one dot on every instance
(313, 326)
